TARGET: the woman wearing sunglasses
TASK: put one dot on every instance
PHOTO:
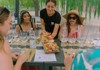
(73, 26)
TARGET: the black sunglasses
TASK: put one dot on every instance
(72, 18)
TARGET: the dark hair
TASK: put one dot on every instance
(21, 16)
(78, 21)
(54, 1)
(4, 14)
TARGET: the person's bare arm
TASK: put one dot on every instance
(42, 25)
(60, 32)
(8, 65)
(17, 29)
(17, 66)
(21, 59)
(68, 61)
(55, 30)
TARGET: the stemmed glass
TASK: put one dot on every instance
(96, 36)
(23, 36)
(63, 38)
(37, 36)
(82, 38)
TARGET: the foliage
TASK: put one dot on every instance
(91, 6)
(26, 4)
(8, 3)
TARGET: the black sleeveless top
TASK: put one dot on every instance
(22, 29)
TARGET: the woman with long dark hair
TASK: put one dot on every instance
(25, 22)
(73, 26)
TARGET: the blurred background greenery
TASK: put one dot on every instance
(87, 8)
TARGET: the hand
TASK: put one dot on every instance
(50, 37)
(15, 55)
(43, 31)
(47, 33)
(23, 57)
(68, 60)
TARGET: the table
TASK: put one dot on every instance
(59, 62)
(39, 64)
(32, 63)
(59, 57)
(46, 65)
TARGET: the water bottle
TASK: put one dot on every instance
(32, 38)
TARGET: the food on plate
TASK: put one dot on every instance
(49, 44)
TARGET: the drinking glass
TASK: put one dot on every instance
(23, 36)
